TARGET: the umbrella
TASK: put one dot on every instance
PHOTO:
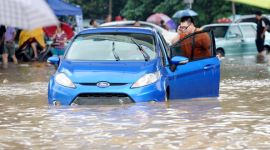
(258, 3)
(182, 13)
(26, 14)
(50, 31)
(156, 18)
(172, 25)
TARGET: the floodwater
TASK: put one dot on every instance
(238, 119)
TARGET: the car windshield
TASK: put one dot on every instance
(219, 31)
(111, 47)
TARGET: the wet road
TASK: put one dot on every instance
(238, 119)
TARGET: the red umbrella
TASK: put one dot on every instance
(50, 31)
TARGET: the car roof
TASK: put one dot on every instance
(131, 22)
(249, 16)
(228, 24)
(120, 29)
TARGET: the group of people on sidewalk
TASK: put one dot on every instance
(33, 38)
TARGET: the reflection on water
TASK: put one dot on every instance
(238, 119)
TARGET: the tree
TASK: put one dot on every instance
(139, 9)
(98, 9)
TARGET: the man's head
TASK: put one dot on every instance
(162, 22)
(124, 18)
(258, 14)
(137, 23)
(93, 22)
(187, 25)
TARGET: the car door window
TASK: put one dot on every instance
(248, 31)
(219, 31)
(253, 19)
(195, 46)
(166, 46)
(235, 32)
(162, 52)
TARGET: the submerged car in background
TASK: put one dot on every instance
(252, 18)
(168, 35)
(121, 65)
(236, 38)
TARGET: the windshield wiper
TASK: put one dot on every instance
(145, 55)
(114, 53)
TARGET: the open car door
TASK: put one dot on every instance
(199, 77)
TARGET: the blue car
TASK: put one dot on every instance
(122, 65)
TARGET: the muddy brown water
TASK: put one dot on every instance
(238, 119)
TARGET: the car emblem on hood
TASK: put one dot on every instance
(103, 84)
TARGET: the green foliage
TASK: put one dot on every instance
(98, 9)
(208, 10)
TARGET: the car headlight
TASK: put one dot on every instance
(147, 79)
(62, 79)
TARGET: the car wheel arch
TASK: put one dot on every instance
(267, 47)
(168, 92)
(221, 50)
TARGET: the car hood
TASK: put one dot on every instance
(112, 72)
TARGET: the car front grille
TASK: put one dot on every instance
(95, 84)
(102, 99)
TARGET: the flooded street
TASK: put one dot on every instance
(238, 119)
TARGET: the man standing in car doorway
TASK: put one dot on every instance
(261, 28)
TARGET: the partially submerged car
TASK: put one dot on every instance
(236, 38)
(252, 18)
(121, 65)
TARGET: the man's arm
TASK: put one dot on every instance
(14, 35)
(265, 28)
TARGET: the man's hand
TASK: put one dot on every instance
(262, 36)
(218, 57)
(179, 31)
(10, 41)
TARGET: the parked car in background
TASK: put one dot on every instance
(236, 38)
(168, 35)
(122, 65)
(252, 18)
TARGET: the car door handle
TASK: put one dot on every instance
(207, 67)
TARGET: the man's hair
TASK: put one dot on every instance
(162, 21)
(92, 21)
(123, 17)
(259, 13)
(187, 19)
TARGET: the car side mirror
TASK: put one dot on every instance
(53, 60)
(232, 36)
(178, 60)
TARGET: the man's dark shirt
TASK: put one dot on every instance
(260, 27)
